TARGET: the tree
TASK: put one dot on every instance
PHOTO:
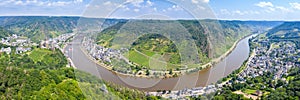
(170, 71)
(147, 72)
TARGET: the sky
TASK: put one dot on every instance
(288, 10)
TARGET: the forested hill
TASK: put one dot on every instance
(212, 37)
(42, 27)
(42, 74)
(261, 25)
(288, 31)
(38, 28)
(4, 33)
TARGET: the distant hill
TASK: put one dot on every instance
(4, 33)
(38, 28)
(262, 25)
(42, 27)
(288, 31)
(285, 30)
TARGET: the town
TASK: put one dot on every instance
(277, 59)
(101, 53)
(266, 57)
(23, 44)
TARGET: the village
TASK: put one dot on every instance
(266, 57)
(101, 53)
(23, 44)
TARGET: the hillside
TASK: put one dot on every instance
(152, 39)
(285, 30)
(288, 31)
(38, 28)
(262, 25)
(157, 38)
(41, 27)
(29, 76)
(4, 33)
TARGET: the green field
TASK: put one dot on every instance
(38, 54)
(148, 53)
(150, 60)
(248, 91)
(138, 58)
(290, 78)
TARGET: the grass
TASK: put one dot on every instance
(172, 66)
(249, 91)
(105, 40)
(157, 62)
(38, 54)
(148, 53)
(194, 65)
(138, 58)
(290, 78)
(152, 60)
(266, 93)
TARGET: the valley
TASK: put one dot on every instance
(152, 63)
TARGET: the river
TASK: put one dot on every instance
(202, 78)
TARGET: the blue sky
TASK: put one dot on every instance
(172, 9)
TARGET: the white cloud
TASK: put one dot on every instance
(201, 7)
(155, 9)
(149, 3)
(225, 12)
(254, 12)
(140, 3)
(269, 7)
(264, 4)
(136, 3)
(6, 2)
(109, 6)
(175, 8)
(59, 3)
(205, 1)
(136, 10)
(197, 1)
(107, 3)
(78, 1)
(126, 9)
(39, 2)
(284, 9)
(19, 3)
(238, 12)
(295, 5)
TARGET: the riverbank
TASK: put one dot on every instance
(167, 74)
(200, 91)
(217, 60)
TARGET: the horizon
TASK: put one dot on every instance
(249, 10)
(150, 19)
